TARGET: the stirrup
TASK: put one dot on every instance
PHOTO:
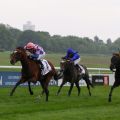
(61, 70)
(41, 67)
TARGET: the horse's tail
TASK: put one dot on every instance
(56, 73)
(87, 77)
(90, 83)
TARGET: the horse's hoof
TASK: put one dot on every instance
(11, 94)
(68, 95)
(109, 100)
(46, 99)
(90, 94)
(31, 93)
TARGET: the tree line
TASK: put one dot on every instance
(11, 37)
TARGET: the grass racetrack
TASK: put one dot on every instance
(22, 106)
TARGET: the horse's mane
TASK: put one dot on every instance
(69, 67)
(20, 48)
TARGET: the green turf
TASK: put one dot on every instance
(22, 106)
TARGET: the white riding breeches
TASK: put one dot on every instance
(77, 61)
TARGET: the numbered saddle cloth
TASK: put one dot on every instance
(82, 69)
(47, 67)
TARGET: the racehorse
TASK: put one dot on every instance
(31, 71)
(115, 64)
(72, 75)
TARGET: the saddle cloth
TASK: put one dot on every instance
(82, 69)
(47, 67)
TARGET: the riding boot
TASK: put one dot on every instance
(41, 65)
(61, 70)
(77, 67)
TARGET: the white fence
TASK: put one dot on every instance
(92, 70)
(99, 69)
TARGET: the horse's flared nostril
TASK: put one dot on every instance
(11, 62)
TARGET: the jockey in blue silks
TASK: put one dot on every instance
(73, 56)
(35, 52)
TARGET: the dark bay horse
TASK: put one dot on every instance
(31, 71)
(115, 64)
(71, 75)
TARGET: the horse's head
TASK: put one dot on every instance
(66, 64)
(115, 61)
(17, 55)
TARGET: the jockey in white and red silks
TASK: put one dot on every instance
(35, 52)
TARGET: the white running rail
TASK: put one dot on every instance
(99, 69)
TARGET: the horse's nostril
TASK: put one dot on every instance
(11, 62)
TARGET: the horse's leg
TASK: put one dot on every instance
(78, 87)
(18, 83)
(43, 91)
(46, 90)
(69, 92)
(88, 87)
(45, 85)
(110, 94)
(47, 93)
(63, 82)
(30, 90)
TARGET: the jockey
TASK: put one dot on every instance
(73, 55)
(35, 52)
